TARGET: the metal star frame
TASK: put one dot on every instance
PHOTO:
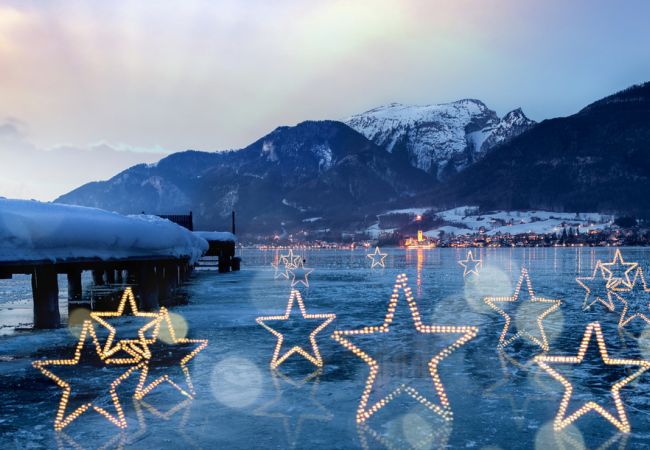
(615, 279)
(377, 258)
(561, 419)
(638, 286)
(471, 265)
(143, 387)
(553, 306)
(314, 357)
(290, 260)
(364, 412)
(141, 342)
(61, 419)
(598, 275)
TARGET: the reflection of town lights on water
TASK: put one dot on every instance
(76, 320)
(644, 343)
(180, 329)
(491, 283)
(236, 382)
(569, 437)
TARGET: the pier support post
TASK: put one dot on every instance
(74, 289)
(45, 292)
(119, 279)
(148, 287)
(110, 276)
(98, 277)
(224, 261)
(164, 274)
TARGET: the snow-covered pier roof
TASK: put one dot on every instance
(36, 231)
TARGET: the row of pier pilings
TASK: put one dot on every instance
(153, 282)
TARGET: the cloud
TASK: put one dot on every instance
(29, 171)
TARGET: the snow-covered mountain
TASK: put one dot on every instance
(439, 139)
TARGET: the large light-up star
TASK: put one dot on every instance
(299, 274)
(635, 301)
(163, 355)
(377, 258)
(317, 321)
(138, 341)
(618, 272)
(63, 416)
(596, 289)
(535, 332)
(471, 265)
(564, 417)
(367, 407)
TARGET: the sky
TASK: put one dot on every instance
(88, 89)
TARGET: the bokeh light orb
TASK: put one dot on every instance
(236, 382)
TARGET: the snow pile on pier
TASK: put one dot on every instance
(31, 231)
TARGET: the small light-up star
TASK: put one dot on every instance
(280, 272)
(63, 417)
(564, 417)
(163, 354)
(299, 275)
(636, 300)
(535, 333)
(139, 342)
(367, 408)
(471, 265)
(377, 258)
(290, 260)
(596, 289)
(319, 322)
(618, 272)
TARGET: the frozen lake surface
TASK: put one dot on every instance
(499, 398)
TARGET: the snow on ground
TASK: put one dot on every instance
(216, 236)
(466, 220)
(31, 230)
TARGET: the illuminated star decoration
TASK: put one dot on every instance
(62, 419)
(596, 289)
(636, 300)
(314, 356)
(539, 337)
(365, 411)
(471, 265)
(300, 274)
(139, 342)
(377, 258)
(144, 385)
(290, 260)
(562, 419)
(618, 272)
(278, 272)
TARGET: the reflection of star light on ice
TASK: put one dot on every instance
(596, 289)
(63, 417)
(291, 394)
(299, 275)
(534, 332)
(635, 301)
(182, 350)
(377, 258)
(320, 321)
(368, 406)
(471, 265)
(565, 417)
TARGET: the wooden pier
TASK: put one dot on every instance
(154, 281)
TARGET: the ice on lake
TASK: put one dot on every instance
(499, 397)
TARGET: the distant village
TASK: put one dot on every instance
(467, 227)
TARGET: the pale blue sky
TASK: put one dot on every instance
(134, 80)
